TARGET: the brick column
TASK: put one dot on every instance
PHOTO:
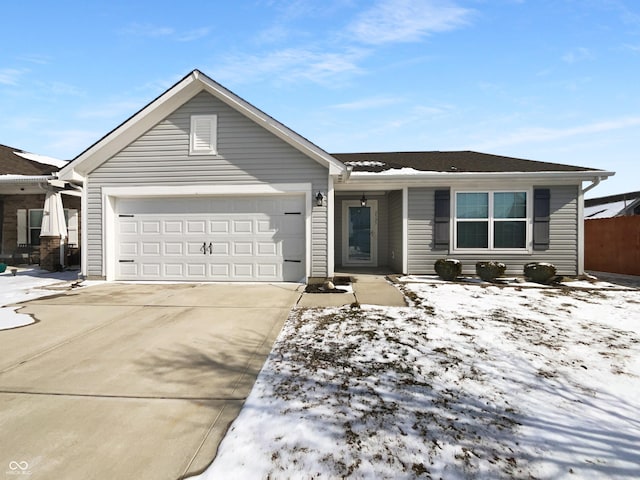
(50, 254)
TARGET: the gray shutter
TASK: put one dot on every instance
(541, 214)
(442, 219)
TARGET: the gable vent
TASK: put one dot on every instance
(203, 138)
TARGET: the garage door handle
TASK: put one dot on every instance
(210, 248)
(203, 248)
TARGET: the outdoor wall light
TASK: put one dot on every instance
(363, 200)
(319, 199)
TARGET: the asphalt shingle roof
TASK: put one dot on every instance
(12, 164)
(462, 161)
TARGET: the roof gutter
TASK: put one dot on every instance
(417, 176)
(29, 179)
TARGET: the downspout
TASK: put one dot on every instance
(594, 183)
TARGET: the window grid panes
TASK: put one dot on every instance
(505, 226)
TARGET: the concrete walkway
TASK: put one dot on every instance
(132, 381)
(368, 289)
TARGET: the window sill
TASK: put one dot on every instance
(487, 251)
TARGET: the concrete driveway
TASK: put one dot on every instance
(130, 380)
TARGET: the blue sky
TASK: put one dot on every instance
(555, 80)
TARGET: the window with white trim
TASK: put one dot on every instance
(203, 138)
(34, 225)
(491, 220)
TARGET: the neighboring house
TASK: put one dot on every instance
(201, 185)
(25, 179)
(619, 205)
(612, 233)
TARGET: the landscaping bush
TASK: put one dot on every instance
(539, 272)
(448, 268)
(489, 271)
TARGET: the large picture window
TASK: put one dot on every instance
(491, 220)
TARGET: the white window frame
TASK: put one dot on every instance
(68, 213)
(31, 227)
(491, 220)
(211, 147)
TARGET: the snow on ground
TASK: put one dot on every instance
(27, 284)
(471, 381)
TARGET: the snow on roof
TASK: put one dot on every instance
(42, 159)
(605, 210)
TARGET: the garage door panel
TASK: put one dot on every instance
(242, 248)
(150, 270)
(173, 227)
(220, 248)
(150, 227)
(268, 271)
(197, 270)
(128, 248)
(243, 271)
(219, 226)
(173, 270)
(195, 226)
(219, 271)
(242, 227)
(267, 249)
(129, 270)
(151, 248)
(128, 227)
(216, 239)
(174, 248)
(195, 248)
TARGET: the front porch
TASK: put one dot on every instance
(368, 231)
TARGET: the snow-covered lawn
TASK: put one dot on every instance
(27, 284)
(471, 381)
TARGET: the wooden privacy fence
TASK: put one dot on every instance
(612, 245)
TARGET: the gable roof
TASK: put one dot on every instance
(454, 162)
(169, 101)
(14, 161)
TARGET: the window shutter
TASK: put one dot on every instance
(541, 214)
(72, 227)
(22, 225)
(442, 219)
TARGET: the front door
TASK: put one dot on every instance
(359, 233)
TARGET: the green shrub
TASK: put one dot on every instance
(448, 268)
(489, 271)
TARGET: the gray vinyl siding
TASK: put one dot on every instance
(563, 235)
(382, 232)
(395, 231)
(247, 154)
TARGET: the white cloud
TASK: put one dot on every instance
(578, 55)
(10, 76)
(368, 103)
(156, 31)
(192, 35)
(390, 21)
(292, 64)
(148, 30)
(539, 134)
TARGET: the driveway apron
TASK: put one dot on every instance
(132, 380)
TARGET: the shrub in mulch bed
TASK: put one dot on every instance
(540, 272)
(448, 268)
(489, 271)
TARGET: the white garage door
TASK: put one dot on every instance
(259, 238)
